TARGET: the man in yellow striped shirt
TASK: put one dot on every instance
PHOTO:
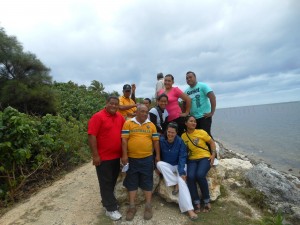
(139, 136)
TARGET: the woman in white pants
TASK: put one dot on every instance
(172, 166)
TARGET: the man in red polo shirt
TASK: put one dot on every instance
(104, 130)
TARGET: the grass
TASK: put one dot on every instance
(254, 197)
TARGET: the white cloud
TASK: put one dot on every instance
(248, 51)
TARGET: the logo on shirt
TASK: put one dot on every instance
(193, 91)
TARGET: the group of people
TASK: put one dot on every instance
(174, 139)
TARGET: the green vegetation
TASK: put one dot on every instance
(254, 197)
(42, 124)
(277, 219)
(24, 79)
(36, 147)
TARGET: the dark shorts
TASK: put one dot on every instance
(139, 174)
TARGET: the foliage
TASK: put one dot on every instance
(254, 197)
(77, 101)
(80, 102)
(24, 79)
(31, 145)
(34, 147)
(278, 219)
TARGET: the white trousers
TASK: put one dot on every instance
(171, 177)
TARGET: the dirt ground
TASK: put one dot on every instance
(74, 200)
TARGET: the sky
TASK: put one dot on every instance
(247, 51)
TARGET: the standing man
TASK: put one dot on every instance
(138, 137)
(159, 84)
(203, 102)
(104, 130)
(127, 102)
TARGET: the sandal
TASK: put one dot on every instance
(197, 208)
(193, 217)
(207, 207)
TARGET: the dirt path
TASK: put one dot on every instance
(74, 200)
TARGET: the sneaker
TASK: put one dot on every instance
(148, 212)
(130, 213)
(114, 215)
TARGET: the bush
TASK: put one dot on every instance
(32, 145)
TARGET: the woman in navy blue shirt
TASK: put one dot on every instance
(172, 166)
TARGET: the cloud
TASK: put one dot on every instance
(247, 51)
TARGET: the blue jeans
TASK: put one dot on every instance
(196, 173)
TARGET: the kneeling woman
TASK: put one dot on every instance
(173, 160)
(199, 161)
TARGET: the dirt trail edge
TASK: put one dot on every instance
(74, 200)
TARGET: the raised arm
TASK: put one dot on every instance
(133, 87)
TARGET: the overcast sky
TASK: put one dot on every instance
(247, 51)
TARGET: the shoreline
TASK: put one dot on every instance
(255, 159)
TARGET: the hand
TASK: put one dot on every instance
(157, 171)
(183, 177)
(131, 114)
(212, 159)
(133, 87)
(96, 160)
(124, 160)
(206, 115)
(184, 114)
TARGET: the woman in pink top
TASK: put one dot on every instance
(173, 108)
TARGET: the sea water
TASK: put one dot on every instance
(270, 133)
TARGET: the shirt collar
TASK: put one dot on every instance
(134, 120)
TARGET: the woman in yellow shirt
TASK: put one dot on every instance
(199, 162)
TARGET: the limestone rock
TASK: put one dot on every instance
(233, 167)
(214, 178)
(166, 192)
(273, 184)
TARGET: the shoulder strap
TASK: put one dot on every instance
(160, 114)
(194, 143)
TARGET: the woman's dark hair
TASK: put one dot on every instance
(148, 99)
(188, 117)
(170, 75)
(161, 96)
(173, 125)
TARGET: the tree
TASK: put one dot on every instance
(24, 79)
(96, 86)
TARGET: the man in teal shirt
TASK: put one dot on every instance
(203, 102)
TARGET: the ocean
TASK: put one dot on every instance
(269, 133)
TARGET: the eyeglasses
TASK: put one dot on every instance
(128, 91)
